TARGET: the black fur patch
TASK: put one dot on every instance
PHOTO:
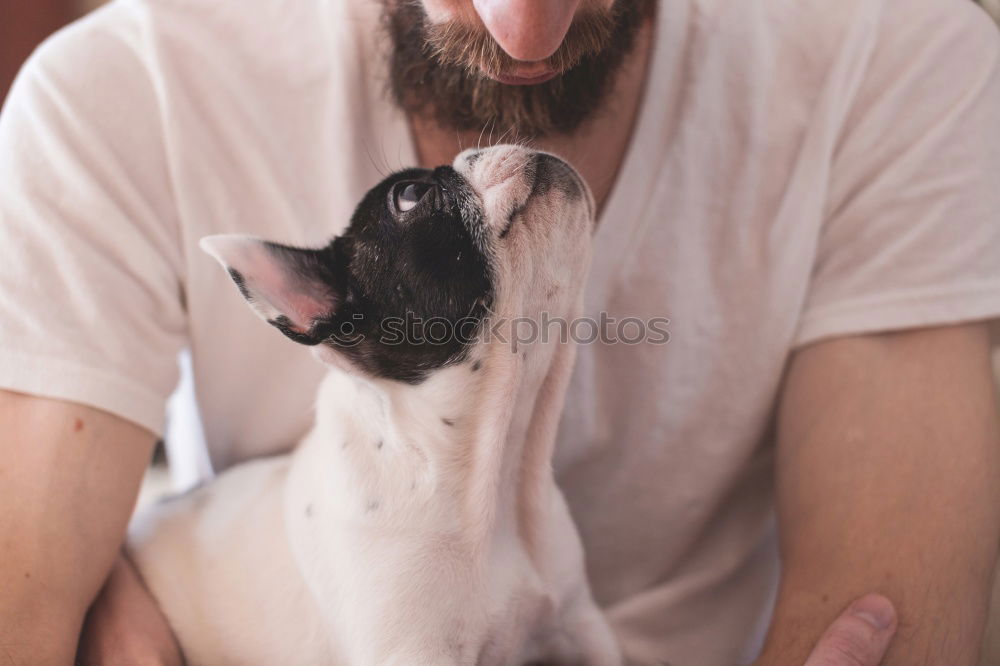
(409, 290)
(284, 324)
(240, 283)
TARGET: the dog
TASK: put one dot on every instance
(419, 523)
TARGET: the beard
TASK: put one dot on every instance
(443, 71)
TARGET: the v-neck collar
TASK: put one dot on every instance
(641, 164)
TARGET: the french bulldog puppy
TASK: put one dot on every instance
(418, 524)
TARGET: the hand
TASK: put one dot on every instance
(125, 626)
(859, 637)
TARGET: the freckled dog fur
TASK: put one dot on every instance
(419, 522)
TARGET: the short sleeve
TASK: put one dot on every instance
(911, 236)
(91, 307)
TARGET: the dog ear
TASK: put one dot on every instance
(293, 289)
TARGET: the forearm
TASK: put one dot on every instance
(125, 624)
(936, 569)
(935, 629)
(68, 477)
(889, 486)
(39, 622)
(36, 631)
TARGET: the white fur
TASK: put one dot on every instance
(390, 536)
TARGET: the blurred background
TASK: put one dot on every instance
(25, 23)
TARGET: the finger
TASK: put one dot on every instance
(859, 637)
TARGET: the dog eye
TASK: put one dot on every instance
(408, 195)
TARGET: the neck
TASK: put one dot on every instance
(478, 438)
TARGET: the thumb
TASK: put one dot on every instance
(859, 637)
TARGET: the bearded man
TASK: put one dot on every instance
(807, 190)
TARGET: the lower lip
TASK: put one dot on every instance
(526, 80)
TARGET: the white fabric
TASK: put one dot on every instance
(993, 7)
(800, 170)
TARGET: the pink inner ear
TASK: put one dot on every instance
(301, 300)
(274, 289)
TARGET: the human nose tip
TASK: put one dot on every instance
(527, 30)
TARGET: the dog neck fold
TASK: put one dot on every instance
(483, 431)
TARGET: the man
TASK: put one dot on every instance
(807, 190)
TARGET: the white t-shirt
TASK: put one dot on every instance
(800, 170)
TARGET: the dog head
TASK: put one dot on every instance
(429, 257)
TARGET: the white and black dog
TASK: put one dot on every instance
(419, 523)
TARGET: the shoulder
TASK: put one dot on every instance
(943, 17)
(936, 35)
(819, 35)
(98, 54)
(824, 24)
(927, 66)
(162, 44)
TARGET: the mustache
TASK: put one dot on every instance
(472, 48)
(451, 89)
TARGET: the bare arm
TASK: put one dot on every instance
(69, 475)
(888, 476)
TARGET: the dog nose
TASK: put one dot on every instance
(496, 165)
(468, 158)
